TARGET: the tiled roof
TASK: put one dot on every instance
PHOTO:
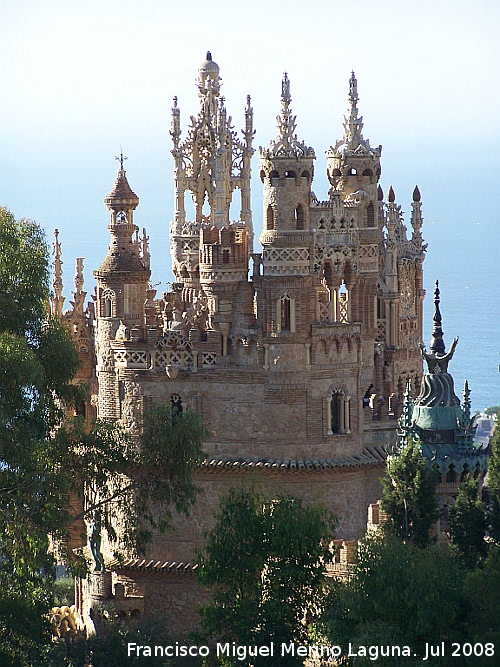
(370, 456)
(121, 190)
(145, 565)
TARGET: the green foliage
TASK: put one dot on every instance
(108, 648)
(468, 524)
(492, 410)
(42, 462)
(264, 561)
(64, 591)
(398, 595)
(482, 588)
(409, 495)
(493, 481)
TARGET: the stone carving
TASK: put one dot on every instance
(132, 406)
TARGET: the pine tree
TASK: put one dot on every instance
(468, 524)
(409, 495)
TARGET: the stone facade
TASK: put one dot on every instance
(297, 357)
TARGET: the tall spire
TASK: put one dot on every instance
(353, 125)
(286, 143)
(353, 140)
(437, 343)
(57, 283)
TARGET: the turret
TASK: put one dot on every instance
(438, 421)
(353, 166)
(205, 165)
(123, 277)
(286, 171)
(223, 264)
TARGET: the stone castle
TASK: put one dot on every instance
(297, 357)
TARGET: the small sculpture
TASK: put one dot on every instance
(95, 542)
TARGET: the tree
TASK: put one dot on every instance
(493, 483)
(264, 561)
(398, 595)
(482, 588)
(468, 524)
(45, 456)
(409, 495)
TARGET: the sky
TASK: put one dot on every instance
(83, 80)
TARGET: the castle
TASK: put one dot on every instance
(299, 370)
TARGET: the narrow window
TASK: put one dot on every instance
(335, 413)
(299, 217)
(285, 313)
(225, 256)
(176, 406)
(270, 218)
(370, 215)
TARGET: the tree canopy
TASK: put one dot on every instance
(409, 495)
(265, 561)
(45, 455)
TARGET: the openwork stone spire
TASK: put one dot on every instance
(286, 143)
(57, 283)
(210, 163)
(353, 140)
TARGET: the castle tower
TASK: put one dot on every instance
(122, 290)
(204, 166)
(286, 293)
(353, 166)
(439, 422)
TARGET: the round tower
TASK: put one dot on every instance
(353, 166)
(122, 290)
(286, 172)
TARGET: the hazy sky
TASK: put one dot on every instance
(81, 79)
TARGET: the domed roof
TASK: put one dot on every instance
(208, 65)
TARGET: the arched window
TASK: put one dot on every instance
(176, 406)
(370, 215)
(336, 413)
(353, 171)
(285, 313)
(305, 174)
(299, 217)
(335, 408)
(108, 299)
(290, 174)
(269, 218)
(274, 174)
(262, 175)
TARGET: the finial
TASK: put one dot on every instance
(391, 196)
(121, 158)
(437, 343)
(285, 91)
(380, 193)
(209, 55)
(353, 89)
(57, 283)
(416, 194)
(79, 295)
